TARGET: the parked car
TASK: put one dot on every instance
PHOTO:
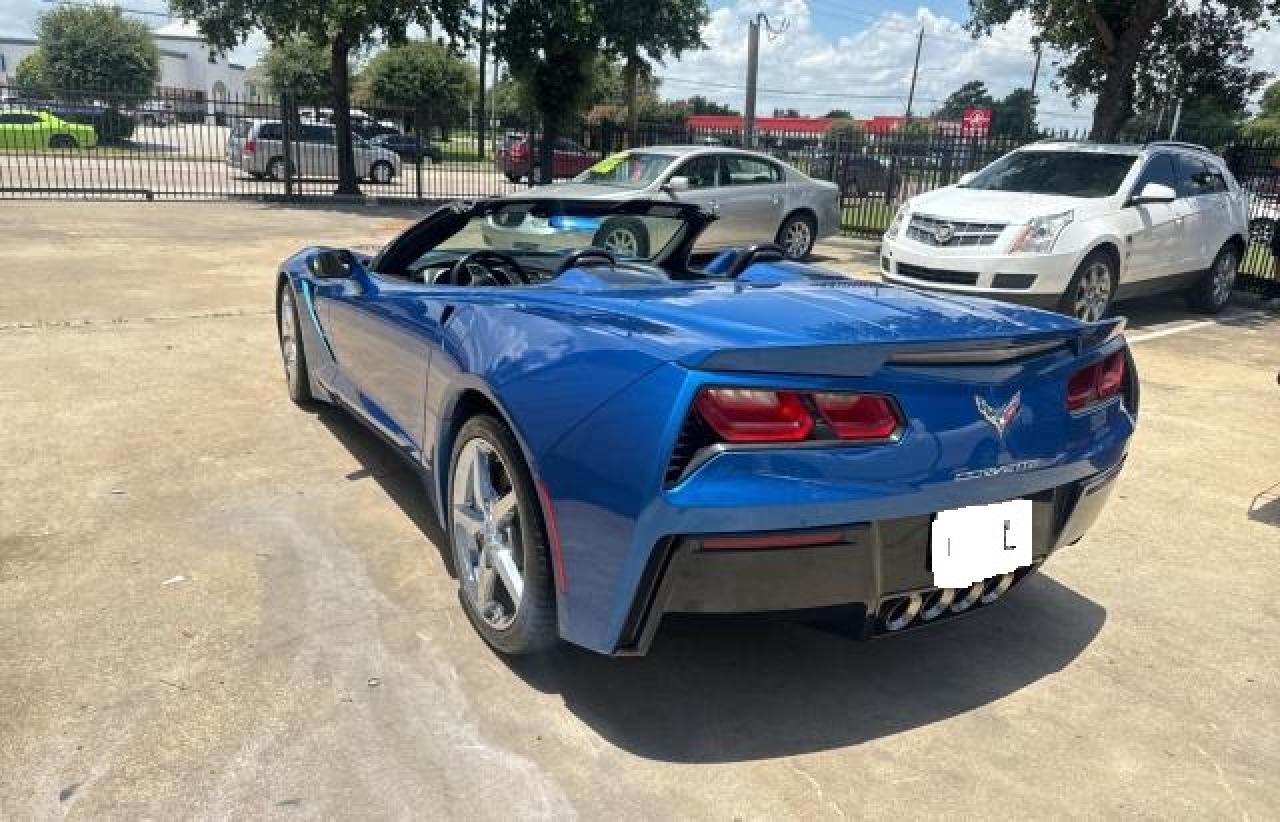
(609, 441)
(410, 147)
(1075, 226)
(109, 123)
(857, 175)
(257, 148)
(30, 129)
(757, 199)
(155, 113)
(518, 160)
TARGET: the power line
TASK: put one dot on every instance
(790, 92)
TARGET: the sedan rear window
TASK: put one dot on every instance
(1066, 173)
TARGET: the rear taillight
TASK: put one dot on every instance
(249, 147)
(741, 415)
(746, 415)
(858, 416)
(1096, 383)
(519, 150)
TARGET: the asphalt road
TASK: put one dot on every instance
(214, 605)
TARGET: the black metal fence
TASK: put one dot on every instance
(183, 146)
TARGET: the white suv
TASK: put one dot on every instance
(1074, 226)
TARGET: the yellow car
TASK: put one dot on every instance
(24, 128)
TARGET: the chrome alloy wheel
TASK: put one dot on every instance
(487, 546)
(622, 242)
(1224, 277)
(288, 337)
(1093, 293)
(797, 239)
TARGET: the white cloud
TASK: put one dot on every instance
(856, 71)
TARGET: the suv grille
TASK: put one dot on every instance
(938, 275)
(924, 229)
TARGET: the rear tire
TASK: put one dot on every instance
(276, 169)
(623, 237)
(512, 178)
(1092, 290)
(63, 141)
(797, 235)
(498, 541)
(382, 172)
(1213, 291)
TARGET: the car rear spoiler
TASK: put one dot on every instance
(864, 359)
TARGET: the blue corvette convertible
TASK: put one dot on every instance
(608, 440)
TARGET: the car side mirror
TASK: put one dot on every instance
(677, 184)
(332, 264)
(1154, 193)
(966, 178)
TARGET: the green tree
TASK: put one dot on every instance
(96, 50)
(429, 78)
(642, 32)
(839, 114)
(1115, 49)
(701, 105)
(29, 75)
(550, 47)
(1015, 114)
(340, 26)
(1267, 122)
(972, 94)
(300, 66)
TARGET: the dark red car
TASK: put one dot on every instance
(517, 158)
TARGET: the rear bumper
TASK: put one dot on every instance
(870, 566)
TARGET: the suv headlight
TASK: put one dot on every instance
(1041, 233)
(898, 217)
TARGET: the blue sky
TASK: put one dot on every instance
(834, 54)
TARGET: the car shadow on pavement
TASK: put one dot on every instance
(379, 462)
(728, 690)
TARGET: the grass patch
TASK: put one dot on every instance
(866, 217)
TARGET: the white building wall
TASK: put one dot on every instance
(184, 64)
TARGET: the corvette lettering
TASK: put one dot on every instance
(999, 470)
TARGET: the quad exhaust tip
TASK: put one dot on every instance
(900, 612)
(936, 603)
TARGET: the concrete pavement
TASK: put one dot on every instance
(214, 605)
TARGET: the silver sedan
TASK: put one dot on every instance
(758, 199)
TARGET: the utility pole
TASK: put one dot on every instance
(915, 70)
(1035, 72)
(484, 45)
(753, 65)
(1177, 115)
(753, 59)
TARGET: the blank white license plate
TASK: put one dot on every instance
(972, 544)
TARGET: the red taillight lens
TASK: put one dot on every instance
(749, 415)
(1111, 375)
(858, 416)
(519, 150)
(1092, 384)
(250, 147)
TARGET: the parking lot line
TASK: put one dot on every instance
(1179, 328)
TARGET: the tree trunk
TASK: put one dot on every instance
(347, 184)
(630, 74)
(1122, 49)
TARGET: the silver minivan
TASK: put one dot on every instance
(257, 148)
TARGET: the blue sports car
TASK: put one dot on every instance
(607, 440)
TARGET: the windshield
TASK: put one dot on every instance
(628, 169)
(549, 230)
(1067, 173)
